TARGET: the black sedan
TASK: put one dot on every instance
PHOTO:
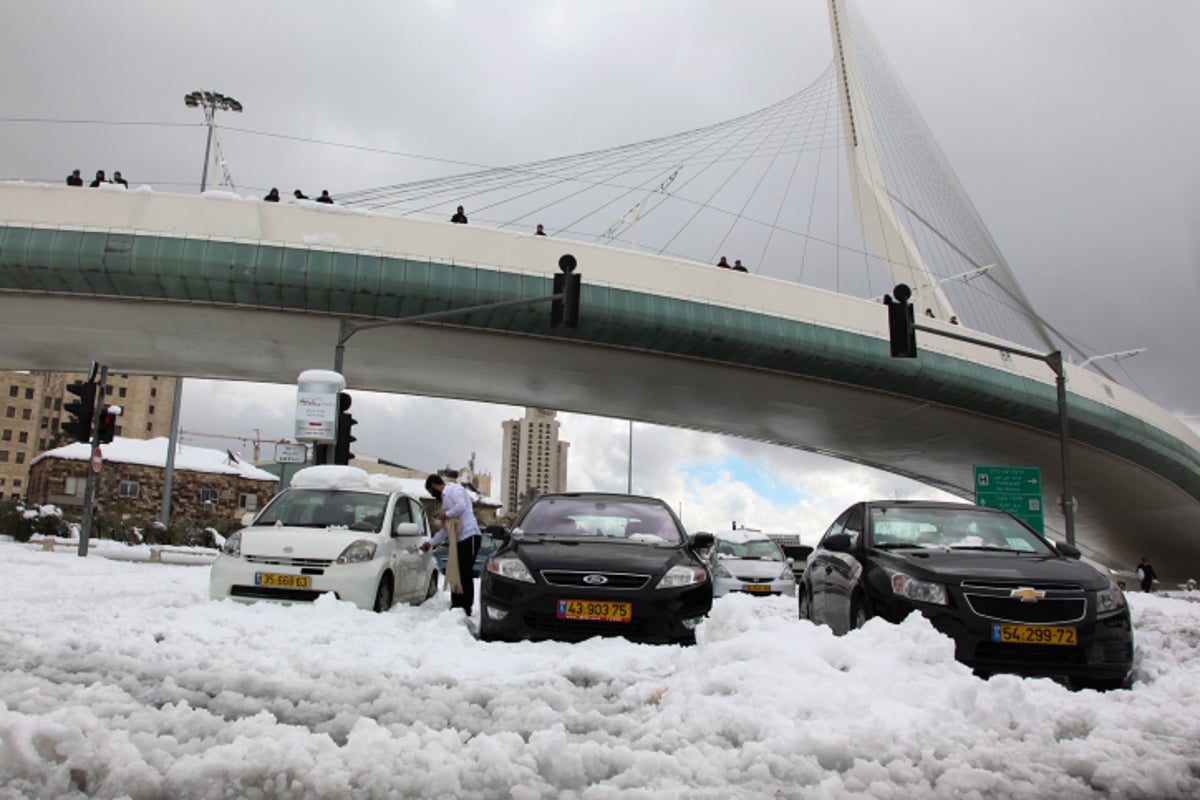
(581, 565)
(1011, 600)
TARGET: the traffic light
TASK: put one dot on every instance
(108, 423)
(901, 326)
(565, 312)
(82, 411)
(341, 447)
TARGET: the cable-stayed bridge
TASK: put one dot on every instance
(830, 196)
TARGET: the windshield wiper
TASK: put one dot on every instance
(897, 545)
(989, 547)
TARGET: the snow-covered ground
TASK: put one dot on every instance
(121, 679)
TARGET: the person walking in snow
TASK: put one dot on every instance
(458, 516)
(1145, 574)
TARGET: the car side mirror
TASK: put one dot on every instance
(1068, 550)
(407, 529)
(248, 518)
(838, 543)
(703, 540)
(497, 532)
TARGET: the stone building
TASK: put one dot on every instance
(31, 416)
(533, 460)
(130, 483)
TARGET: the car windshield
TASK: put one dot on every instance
(965, 528)
(761, 549)
(632, 520)
(321, 508)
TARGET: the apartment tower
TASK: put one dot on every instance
(532, 459)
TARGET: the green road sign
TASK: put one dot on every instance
(1017, 490)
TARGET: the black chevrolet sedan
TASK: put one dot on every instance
(1011, 600)
(581, 565)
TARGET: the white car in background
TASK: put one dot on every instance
(751, 562)
(333, 530)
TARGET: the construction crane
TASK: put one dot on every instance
(256, 439)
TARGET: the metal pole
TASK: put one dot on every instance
(172, 442)
(89, 486)
(1055, 360)
(209, 113)
(629, 481)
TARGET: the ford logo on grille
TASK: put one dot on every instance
(595, 580)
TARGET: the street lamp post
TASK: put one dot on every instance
(210, 102)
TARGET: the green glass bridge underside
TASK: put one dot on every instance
(365, 286)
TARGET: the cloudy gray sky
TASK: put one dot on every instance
(1072, 125)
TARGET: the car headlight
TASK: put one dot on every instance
(510, 567)
(1110, 599)
(357, 552)
(680, 575)
(719, 570)
(233, 545)
(918, 590)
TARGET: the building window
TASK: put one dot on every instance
(75, 486)
(26, 413)
(23, 437)
(12, 391)
(209, 496)
(151, 409)
(3, 456)
(1, 481)
(28, 393)
(10, 412)
(121, 392)
(154, 391)
(41, 444)
(20, 456)
(129, 489)
(16, 483)
(149, 427)
(54, 424)
(7, 435)
(58, 404)
(248, 502)
(46, 402)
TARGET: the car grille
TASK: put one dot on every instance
(271, 593)
(1060, 605)
(1030, 654)
(613, 580)
(551, 626)
(283, 561)
(752, 579)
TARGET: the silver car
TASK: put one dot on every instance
(751, 562)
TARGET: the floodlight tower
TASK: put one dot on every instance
(210, 102)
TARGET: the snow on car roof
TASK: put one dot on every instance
(742, 535)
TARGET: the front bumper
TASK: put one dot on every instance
(513, 610)
(235, 578)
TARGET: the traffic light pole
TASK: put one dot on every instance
(89, 488)
(1055, 362)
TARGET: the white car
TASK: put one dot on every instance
(752, 562)
(335, 529)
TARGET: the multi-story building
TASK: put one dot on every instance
(533, 459)
(31, 416)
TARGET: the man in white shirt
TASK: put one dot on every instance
(456, 505)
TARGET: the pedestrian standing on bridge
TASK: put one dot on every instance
(459, 217)
(299, 195)
(325, 198)
(272, 196)
(1146, 575)
(723, 263)
(117, 179)
(737, 266)
(458, 517)
(74, 179)
(99, 179)
(540, 230)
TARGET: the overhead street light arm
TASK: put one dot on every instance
(1114, 356)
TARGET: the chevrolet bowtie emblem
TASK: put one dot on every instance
(1027, 594)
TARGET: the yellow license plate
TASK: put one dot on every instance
(595, 610)
(1034, 634)
(758, 588)
(282, 581)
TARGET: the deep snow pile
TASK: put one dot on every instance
(124, 679)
